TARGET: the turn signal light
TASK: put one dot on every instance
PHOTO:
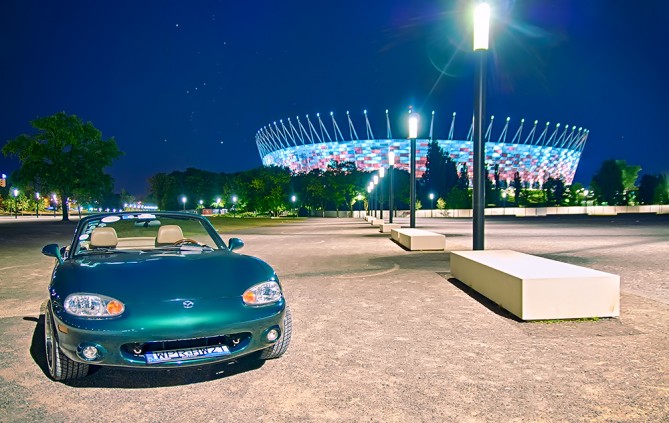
(115, 307)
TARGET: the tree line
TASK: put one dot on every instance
(67, 157)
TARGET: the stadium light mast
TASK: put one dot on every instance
(413, 134)
(481, 36)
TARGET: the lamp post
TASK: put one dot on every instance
(370, 205)
(369, 198)
(391, 165)
(234, 205)
(413, 134)
(382, 173)
(431, 205)
(55, 204)
(293, 198)
(481, 32)
(376, 197)
(359, 198)
(183, 200)
(37, 204)
(16, 203)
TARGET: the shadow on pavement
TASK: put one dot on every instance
(118, 377)
(490, 305)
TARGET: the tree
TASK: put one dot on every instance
(607, 183)
(65, 156)
(630, 174)
(517, 185)
(653, 189)
(440, 174)
(555, 190)
(575, 194)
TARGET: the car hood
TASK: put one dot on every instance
(138, 277)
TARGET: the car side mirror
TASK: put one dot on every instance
(235, 244)
(52, 250)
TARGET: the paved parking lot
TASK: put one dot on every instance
(380, 334)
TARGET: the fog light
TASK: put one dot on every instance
(272, 335)
(90, 352)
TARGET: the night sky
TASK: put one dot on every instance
(187, 84)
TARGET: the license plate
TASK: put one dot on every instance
(154, 357)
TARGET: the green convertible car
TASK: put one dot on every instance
(153, 290)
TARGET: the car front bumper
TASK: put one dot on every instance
(123, 343)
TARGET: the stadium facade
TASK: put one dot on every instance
(535, 151)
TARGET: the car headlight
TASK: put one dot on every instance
(92, 305)
(262, 293)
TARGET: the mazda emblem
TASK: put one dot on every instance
(188, 304)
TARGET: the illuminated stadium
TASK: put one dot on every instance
(535, 151)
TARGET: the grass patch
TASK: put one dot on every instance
(231, 224)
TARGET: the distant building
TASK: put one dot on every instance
(535, 151)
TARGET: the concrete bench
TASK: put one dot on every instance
(376, 222)
(387, 227)
(418, 239)
(535, 288)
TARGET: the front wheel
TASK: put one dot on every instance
(60, 366)
(281, 344)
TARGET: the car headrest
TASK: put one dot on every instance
(169, 234)
(103, 237)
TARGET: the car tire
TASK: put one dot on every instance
(60, 367)
(281, 345)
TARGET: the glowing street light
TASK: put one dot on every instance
(413, 134)
(183, 200)
(37, 204)
(431, 205)
(234, 205)
(55, 204)
(481, 35)
(16, 203)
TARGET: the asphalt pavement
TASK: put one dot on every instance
(380, 334)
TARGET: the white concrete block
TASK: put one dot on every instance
(419, 240)
(376, 222)
(535, 288)
(387, 227)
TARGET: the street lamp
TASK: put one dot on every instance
(293, 198)
(37, 204)
(382, 173)
(16, 203)
(413, 134)
(234, 205)
(183, 200)
(431, 205)
(370, 202)
(359, 198)
(375, 180)
(55, 204)
(391, 165)
(481, 35)
(369, 197)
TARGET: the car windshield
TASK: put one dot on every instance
(143, 232)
